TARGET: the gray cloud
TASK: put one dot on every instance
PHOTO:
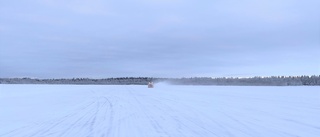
(159, 38)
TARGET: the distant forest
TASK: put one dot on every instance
(222, 81)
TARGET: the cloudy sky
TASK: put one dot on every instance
(159, 38)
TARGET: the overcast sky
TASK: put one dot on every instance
(159, 38)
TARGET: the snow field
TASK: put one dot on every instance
(176, 111)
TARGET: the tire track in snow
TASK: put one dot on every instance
(110, 115)
(45, 128)
(156, 126)
(173, 114)
(191, 124)
(176, 117)
(83, 119)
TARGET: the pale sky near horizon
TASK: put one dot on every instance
(159, 38)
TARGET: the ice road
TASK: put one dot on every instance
(164, 111)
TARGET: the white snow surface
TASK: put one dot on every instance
(164, 111)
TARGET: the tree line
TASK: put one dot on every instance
(251, 81)
(226, 81)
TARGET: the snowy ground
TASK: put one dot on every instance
(176, 111)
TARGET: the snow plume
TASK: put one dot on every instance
(162, 84)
